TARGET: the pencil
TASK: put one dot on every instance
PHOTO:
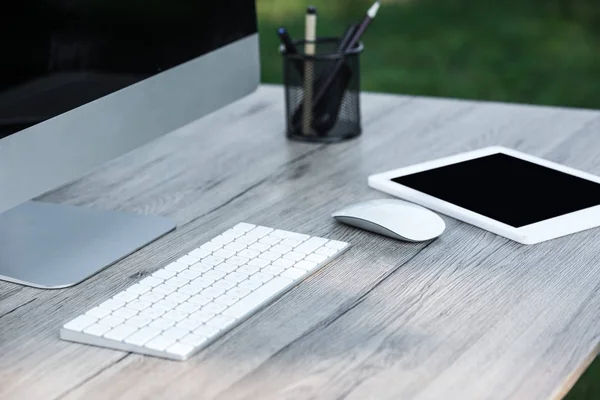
(309, 50)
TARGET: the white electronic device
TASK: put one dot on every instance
(515, 195)
(393, 218)
(189, 303)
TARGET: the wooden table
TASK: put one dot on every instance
(468, 316)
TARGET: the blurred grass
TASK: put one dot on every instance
(528, 51)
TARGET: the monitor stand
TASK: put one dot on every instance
(53, 246)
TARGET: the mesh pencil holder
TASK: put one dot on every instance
(322, 92)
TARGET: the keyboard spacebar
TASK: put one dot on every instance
(256, 298)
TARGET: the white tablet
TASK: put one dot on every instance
(515, 195)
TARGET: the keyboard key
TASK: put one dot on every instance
(290, 242)
(138, 305)
(188, 260)
(201, 315)
(293, 256)
(225, 284)
(235, 247)
(306, 265)
(274, 270)
(310, 245)
(259, 262)
(237, 260)
(260, 231)
(162, 324)
(220, 321)
(126, 296)
(80, 323)
(175, 315)
(200, 253)
(201, 267)
(200, 299)
(188, 308)
(206, 330)
(177, 281)
(189, 274)
(244, 227)
(317, 258)
(214, 308)
(160, 343)
(259, 247)
(139, 289)
(247, 269)
(246, 239)
(222, 240)
(225, 300)
(283, 263)
(269, 256)
(112, 304)
(175, 333)
(97, 329)
(181, 349)
(326, 251)
(249, 253)
(270, 240)
(261, 277)
(98, 312)
(249, 284)
(124, 312)
(202, 281)
(138, 322)
(293, 273)
(233, 234)
(335, 244)
(225, 267)
(152, 297)
(165, 305)
(236, 277)
(189, 324)
(165, 289)
(142, 336)
(213, 260)
(177, 297)
(151, 281)
(178, 266)
(193, 340)
(280, 249)
(215, 275)
(254, 299)
(120, 332)
(164, 274)
(238, 292)
(111, 321)
(224, 253)
(152, 313)
(191, 289)
(278, 233)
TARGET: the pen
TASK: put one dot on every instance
(286, 40)
(309, 50)
(360, 30)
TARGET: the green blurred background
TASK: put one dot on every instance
(525, 51)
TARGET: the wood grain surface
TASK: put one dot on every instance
(468, 316)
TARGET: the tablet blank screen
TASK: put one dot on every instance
(506, 189)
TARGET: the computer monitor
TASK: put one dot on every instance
(83, 82)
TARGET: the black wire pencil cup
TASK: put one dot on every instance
(322, 91)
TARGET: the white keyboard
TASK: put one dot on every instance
(186, 305)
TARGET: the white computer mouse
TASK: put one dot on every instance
(397, 219)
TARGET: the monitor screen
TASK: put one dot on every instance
(56, 55)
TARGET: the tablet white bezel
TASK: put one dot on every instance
(531, 234)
